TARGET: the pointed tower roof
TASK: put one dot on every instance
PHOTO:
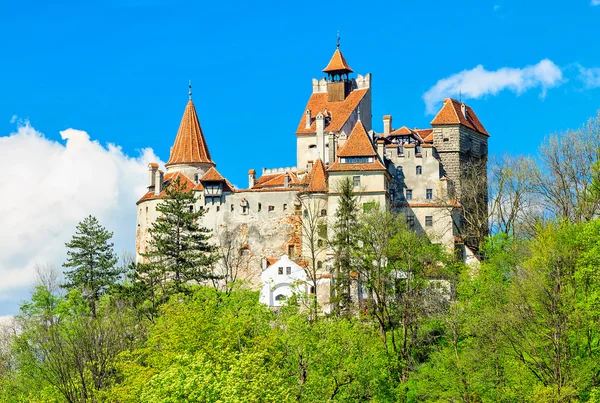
(452, 113)
(337, 63)
(189, 146)
(316, 180)
(358, 144)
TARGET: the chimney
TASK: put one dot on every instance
(309, 166)
(152, 168)
(158, 182)
(251, 178)
(381, 148)
(308, 119)
(286, 180)
(332, 148)
(387, 124)
(463, 109)
(320, 123)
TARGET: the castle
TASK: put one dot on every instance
(284, 212)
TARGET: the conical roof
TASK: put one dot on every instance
(189, 146)
(337, 63)
(316, 180)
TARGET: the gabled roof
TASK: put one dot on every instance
(316, 180)
(212, 175)
(451, 114)
(402, 131)
(189, 146)
(426, 135)
(358, 144)
(337, 63)
(339, 111)
(188, 185)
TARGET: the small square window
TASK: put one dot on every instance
(428, 221)
(288, 270)
(323, 213)
(271, 208)
(244, 209)
(191, 209)
(356, 180)
(285, 206)
(410, 220)
(429, 194)
(319, 265)
(218, 208)
(408, 194)
(280, 270)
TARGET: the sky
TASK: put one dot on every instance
(90, 92)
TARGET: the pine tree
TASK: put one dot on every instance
(92, 260)
(343, 243)
(178, 249)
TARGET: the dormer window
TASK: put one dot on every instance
(356, 160)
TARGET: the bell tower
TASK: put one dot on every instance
(338, 81)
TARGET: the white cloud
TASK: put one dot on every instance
(595, 3)
(48, 187)
(477, 82)
(13, 119)
(589, 76)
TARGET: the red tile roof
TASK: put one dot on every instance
(212, 175)
(276, 180)
(375, 166)
(316, 180)
(337, 63)
(340, 111)
(153, 165)
(189, 146)
(188, 185)
(358, 144)
(451, 114)
(402, 131)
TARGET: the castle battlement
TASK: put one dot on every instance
(270, 171)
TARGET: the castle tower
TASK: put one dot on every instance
(189, 153)
(332, 111)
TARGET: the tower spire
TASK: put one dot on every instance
(338, 39)
(190, 89)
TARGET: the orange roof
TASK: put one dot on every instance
(402, 131)
(316, 180)
(358, 144)
(153, 165)
(272, 260)
(451, 114)
(426, 135)
(189, 146)
(276, 180)
(340, 111)
(188, 185)
(375, 166)
(337, 63)
(212, 175)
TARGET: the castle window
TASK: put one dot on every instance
(218, 208)
(284, 206)
(312, 146)
(280, 298)
(259, 206)
(319, 243)
(196, 178)
(271, 208)
(232, 207)
(244, 209)
(429, 194)
(312, 289)
(280, 270)
(305, 213)
(428, 221)
(291, 251)
(408, 194)
(410, 220)
(356, 181)
(191, 209)
(288, 270)
(319, 265)
(323, 213)
(419, 169)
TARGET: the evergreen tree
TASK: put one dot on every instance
(178, 251)
(344, 242)
(92, 260)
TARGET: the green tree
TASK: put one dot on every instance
(92, 261)
(178, 249)
(344, 242)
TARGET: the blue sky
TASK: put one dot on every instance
(118, 70)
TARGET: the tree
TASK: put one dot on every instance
(178, 249)
(344, 242)
(234, 256)
(92, 260)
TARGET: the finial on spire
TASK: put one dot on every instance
(190, 89)
(338, 39)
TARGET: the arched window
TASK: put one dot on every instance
(280, 298)
(259, 206)
(419, 169)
